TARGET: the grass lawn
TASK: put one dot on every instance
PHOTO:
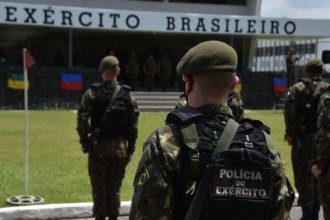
(58, 169)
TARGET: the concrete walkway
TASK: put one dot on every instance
(295, 214)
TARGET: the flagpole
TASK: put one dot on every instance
(26, 199)
(26, 124)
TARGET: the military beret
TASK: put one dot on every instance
(108, 62)
(291, 49)
(314, 65)
(208, 56)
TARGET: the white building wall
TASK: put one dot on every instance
(252, 8)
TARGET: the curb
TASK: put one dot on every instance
(62, 211)
(55, 211)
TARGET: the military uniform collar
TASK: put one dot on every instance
(111, 82)
(215, 109)
(318, 78)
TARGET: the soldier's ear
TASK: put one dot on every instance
(118, 71)
(236, 80)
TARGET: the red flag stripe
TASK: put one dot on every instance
(280, 88)
(28, 60)
(71, 85)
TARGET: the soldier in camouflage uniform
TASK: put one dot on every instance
(301, 131)
(132, 70)
(106, 142)
(290, 67)
(154, 191)
(164, 70)
(150, 69)
(322, 168)
(235, 102)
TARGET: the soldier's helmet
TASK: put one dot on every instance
(108, 62)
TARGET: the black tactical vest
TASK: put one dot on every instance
(310, 115)
(116, 122)
(241, 187)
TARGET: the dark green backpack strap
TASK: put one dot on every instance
(198, 201)
(191, 140)
(190, 135)
(108, 109)
(311, 99)
(270, 144)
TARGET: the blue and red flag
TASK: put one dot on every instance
(71, 82)
(280, 85)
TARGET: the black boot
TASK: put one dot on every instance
(100, 218)
(306, 213)
(315, 211)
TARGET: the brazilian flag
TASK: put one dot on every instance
(16, 81)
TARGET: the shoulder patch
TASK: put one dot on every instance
(95, 85)
(141, 179)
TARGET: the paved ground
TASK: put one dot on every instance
(295, 214)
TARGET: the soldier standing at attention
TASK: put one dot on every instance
(132, 70)
(150, 69)
(321, 169)
(290, 66)
(164, 69)
(300, 112)
(202, 164)
(114, 117)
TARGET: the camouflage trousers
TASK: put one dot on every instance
(164, 77)
(150, 81)
(107, 170)
(132, 80)
(324, 195)
(303, 176)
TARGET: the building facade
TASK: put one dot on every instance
(78, 33)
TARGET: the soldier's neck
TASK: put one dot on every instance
(196, 100)
(109, 78)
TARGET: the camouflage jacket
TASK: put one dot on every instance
(292, 59)
(236, 100)
(323, 134)
(296, 100)
(160, 164)
(86, 109)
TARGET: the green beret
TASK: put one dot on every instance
(208, 56)
(108, 62)
(315, 65)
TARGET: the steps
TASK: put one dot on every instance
(156, 101)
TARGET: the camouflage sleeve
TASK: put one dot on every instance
(283, 194)
(132, 125)
(153, 194)
(323, 136)
(84, 113)
(181, 103)
(290, 110)
(240, 104)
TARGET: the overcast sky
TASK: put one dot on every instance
(296, 8)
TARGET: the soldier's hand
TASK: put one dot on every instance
(83, 149)
(316, 171)
(129, 158)
(289, 140)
